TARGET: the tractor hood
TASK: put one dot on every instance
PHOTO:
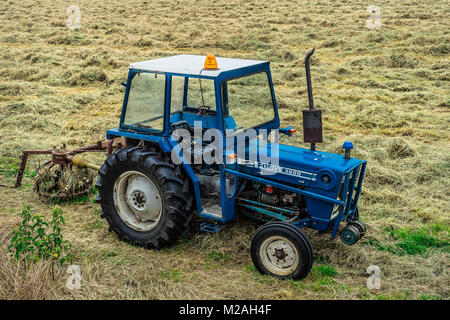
(297, 165)
(297, 157)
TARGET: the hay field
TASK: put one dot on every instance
(387, 90)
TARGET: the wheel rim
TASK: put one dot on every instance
(137, 201)
(350, 235)
(279, 255)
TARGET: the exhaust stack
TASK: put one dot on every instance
(312, 118)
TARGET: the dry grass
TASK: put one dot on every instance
(386, 90)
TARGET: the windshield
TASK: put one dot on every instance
(145, 107)
(200, 95)
(247, 101)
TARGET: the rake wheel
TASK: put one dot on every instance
(62, 182)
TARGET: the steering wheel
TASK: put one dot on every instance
(201, 108)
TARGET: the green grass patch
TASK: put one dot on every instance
(217, 256)
(78, 200)
(414, 242)
(403, 295)
(425, 296)
(9, 168)
(323, 284)
(173, 275)
(417, 242)
(250, 268)
(384, 297)
(325, 270)
(323, 277)
(86, 198)
(298, 285)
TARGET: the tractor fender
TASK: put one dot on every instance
(167, 145)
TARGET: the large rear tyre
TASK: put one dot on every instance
(144, 197)
(282, 250)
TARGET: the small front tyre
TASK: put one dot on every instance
(350, 235)
(282, 250)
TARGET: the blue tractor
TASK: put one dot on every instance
(148, 196)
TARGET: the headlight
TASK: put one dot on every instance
(326, 179)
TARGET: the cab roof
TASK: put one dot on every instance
(193, 65)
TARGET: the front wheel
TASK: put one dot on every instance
(282, 250)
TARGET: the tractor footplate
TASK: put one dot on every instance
(210, 227)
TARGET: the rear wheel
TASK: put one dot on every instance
(144, 198)
(282, 250)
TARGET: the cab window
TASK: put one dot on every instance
(145, 106)
(247, 101)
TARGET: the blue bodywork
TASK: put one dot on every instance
(299, 170)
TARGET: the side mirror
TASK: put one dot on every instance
(124, 84)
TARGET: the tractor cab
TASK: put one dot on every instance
(232, 94)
